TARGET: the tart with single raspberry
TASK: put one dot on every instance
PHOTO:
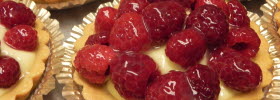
(154, 50)
(24, 50)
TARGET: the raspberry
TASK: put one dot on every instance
(105, 19)
(92, 62)
(171, 86)
(218, 3)
(130, 74)
(136, 6)
(22, 37)
(186, 48)
(12, 14)
(130, 34)
(9, 71)
(99, 38)
(238, 14)
(184, 3)
(163, 19)
(211, 21)
(245, 40)
(204, 81)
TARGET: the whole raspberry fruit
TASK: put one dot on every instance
(171, 86)
(22, 37)
(163, 19)
(93, 61)
(129, 33)
(245, 40)
(130, 74)
(186, 48)
(238, 14)
(99, 38)
(211, 21)
(204, 81)
(12, 14)
(9, 71)
(105, 19)
(136, 6)
(218, 3)
(184, 3)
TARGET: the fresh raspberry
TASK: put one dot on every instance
(92, 62)
(136, 6)
(211, 21)
(186, 48)
(130, 74)
(99, 38)
(171, 86)
(9, 71)
(184, 3)
(163, 19)
(218, 3)
(204, 81)
(130, 34)
(105, 19)
(22, 37)
(238, 14)
(12, 14)
(245, 40)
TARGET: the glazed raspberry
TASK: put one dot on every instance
(238, 14)
(218, 3)
(130, 74)
(9, 71)
(245, 40)
(22, 37)
(130, 34)
(92, 62)
(163, 19)
(184, 3)
(136, 6)
(99, 38)
(211, 21)
(171, 86)
(12, 14)
(204, 81)
(186, 48)
(105, 19)
(241, 74)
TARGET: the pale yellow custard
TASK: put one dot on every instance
(32, 64)
(108, 92)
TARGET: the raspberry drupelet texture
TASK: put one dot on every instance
(238, 14)
(105, 20)
(136, 6)
(218, 3)
(9, 71)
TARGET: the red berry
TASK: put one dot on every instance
(12, 14)
(184, 3)
(130, 74)
(92, 62)
(245, 40)
(218, 3)
(130, 34)
(99, 38)
(186, 48)
(105, 19)
(22, 37)
(238, 14)
(136, 6)
(163, 19)
(211, 21)
(204, 81)
(171, 86)
(9, 71)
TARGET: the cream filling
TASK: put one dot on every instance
(25, 59)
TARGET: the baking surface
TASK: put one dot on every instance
(73, 16)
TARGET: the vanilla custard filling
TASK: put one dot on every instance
(24, 58)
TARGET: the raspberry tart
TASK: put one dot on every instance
(170, 50)
(24, 50)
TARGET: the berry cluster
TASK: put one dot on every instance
(123, 34)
